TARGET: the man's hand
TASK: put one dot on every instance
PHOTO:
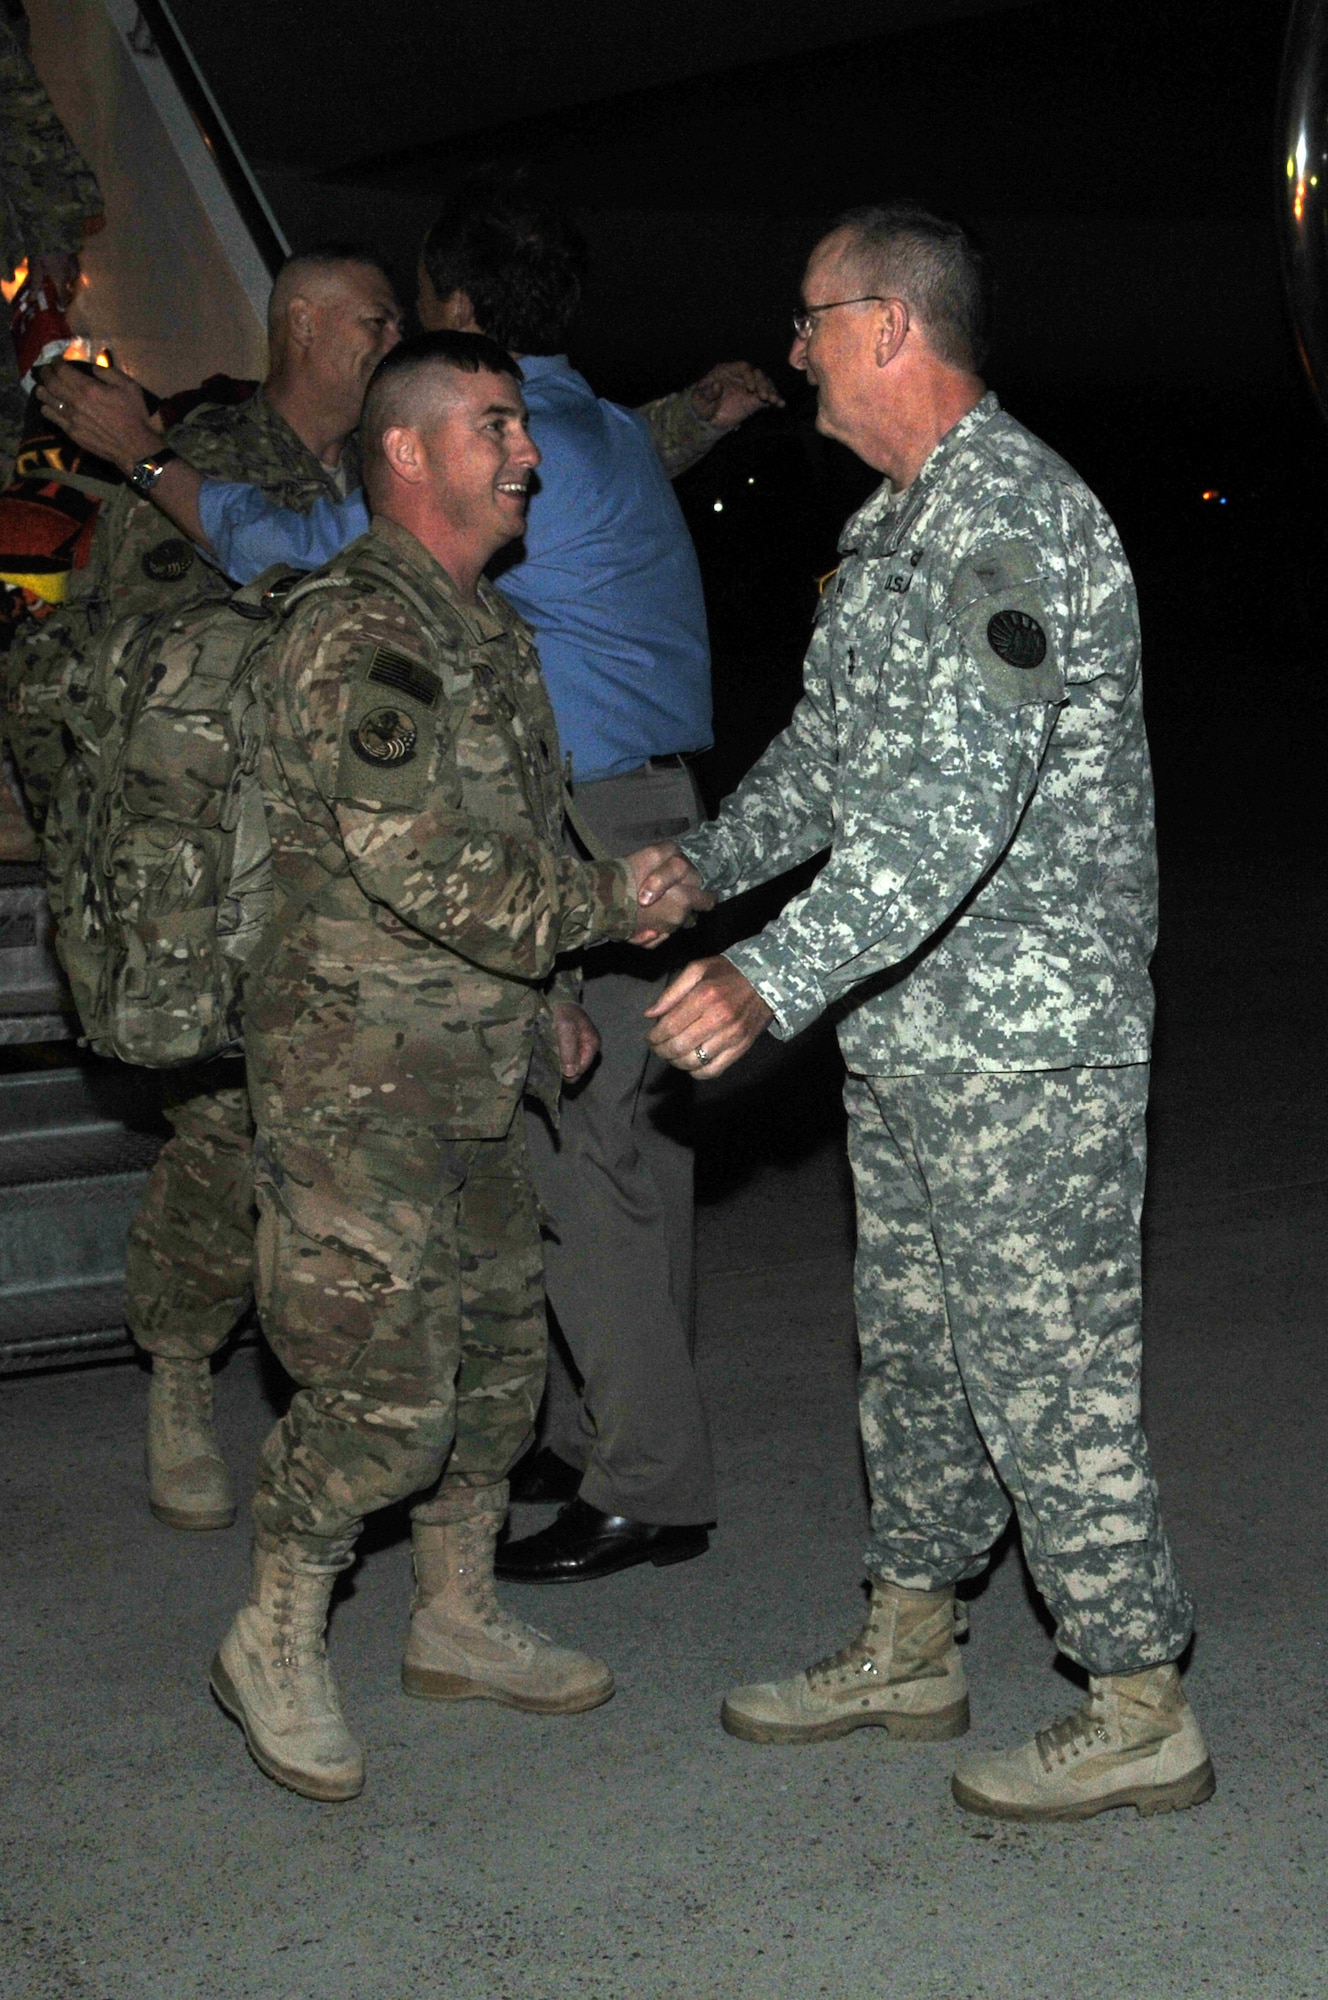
(578, 1039)
(104, 412)
(731, 392)
(668, 888)
(707, 1017)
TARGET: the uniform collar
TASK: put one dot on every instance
(488, 619)
(888, 506)
(270, 418)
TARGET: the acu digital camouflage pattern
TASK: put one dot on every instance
(48, 196)
(998, 1300)
(399, 1010)
(970, 747)
(139, 562)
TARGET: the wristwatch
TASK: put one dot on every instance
(144, 476)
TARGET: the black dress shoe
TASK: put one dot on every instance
(542, 1475)
(582, 1543)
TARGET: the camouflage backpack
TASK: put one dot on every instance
(156, 844)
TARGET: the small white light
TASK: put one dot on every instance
(719, 506)
(751, 482)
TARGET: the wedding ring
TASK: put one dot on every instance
(702, 1054)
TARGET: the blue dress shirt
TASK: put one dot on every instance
(606, 574)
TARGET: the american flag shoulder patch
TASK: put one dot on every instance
(405, 676)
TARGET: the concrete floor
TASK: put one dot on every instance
(638, 1851)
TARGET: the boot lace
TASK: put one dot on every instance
(1078, 1735)
(857, 1657)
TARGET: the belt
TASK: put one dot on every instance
(676, 760)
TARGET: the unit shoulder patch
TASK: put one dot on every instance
(1004, 607)
(384, 736)
(168, 561)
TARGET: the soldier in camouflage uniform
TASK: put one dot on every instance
(393, 1023)
(970, 751)
(190, 1263)
(48, 199)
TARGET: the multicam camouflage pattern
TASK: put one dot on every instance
(681, 438)
(48, 195)
(998, 1298)
(392, 1373)
(189, 1271)
(399, 1010)
(970, 747)
(182, 1301)
(156, 841)
(140, 563)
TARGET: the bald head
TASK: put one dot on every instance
(319, 277)
(332, 317)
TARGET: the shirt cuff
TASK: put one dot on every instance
(699, 848)
(213, 498)
(792, 991)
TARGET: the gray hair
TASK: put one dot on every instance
(902, 252)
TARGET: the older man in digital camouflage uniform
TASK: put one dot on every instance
(393, 1023)
(970, 751)
(331, 318)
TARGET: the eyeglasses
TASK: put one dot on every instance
(805, 320)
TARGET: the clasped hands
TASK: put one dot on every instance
(708, 1016)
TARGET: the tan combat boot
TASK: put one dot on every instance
(1134, 1742)
(272, 1674)
(189, 1485)
(464, 1645)
(902, 1673)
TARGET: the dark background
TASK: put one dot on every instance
(1120, 162)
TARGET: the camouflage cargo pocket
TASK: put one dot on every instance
(362, 1190)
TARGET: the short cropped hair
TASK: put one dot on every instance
(306, 265)
(398, 391)
(520, 261)
(933, 265)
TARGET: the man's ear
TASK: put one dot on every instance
(458, 314)
(302, 321)
(891, 330)
(401, 449)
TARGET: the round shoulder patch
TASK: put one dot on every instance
(1018, 639)
(168, 561)
(385, 736)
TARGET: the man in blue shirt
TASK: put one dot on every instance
(608, 578)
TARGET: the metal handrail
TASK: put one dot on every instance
(215, 133)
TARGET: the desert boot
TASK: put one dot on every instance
(272, 1674)
(189, 1485)
(464, 1645)
(1133, 1742)
(902, 1673)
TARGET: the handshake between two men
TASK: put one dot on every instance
(708, 1016)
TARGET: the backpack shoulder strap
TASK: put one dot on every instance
(400, 586)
